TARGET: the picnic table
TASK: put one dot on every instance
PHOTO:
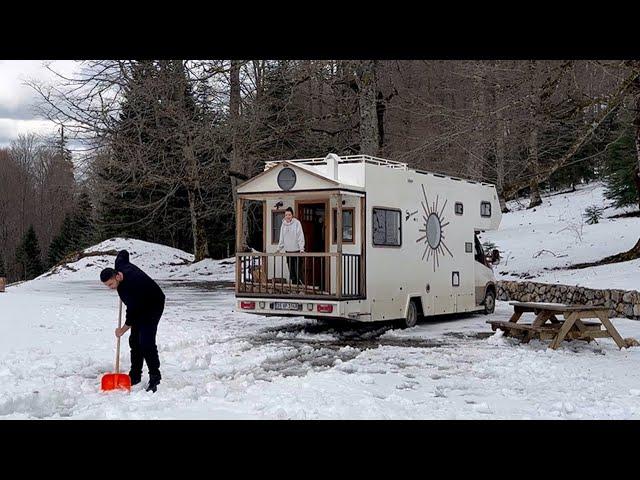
(546, 324)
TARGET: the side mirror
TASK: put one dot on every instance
(495, 257)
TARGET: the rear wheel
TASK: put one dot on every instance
(489, 302)
(412, 316)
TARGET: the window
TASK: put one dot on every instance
(459, 208)
(485, 209)
(479, 254)
(455, 279)
(286, 178)
(468, 247)
(276, 221)
(387, 229)
(347, 225)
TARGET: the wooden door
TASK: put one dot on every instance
(313, 217)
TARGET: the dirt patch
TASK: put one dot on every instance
(203, 284)
(635, 213)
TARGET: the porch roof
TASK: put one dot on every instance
(307, 179)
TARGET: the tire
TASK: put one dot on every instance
(412, 316)
(489, 302)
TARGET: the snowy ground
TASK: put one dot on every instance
(532, 242)
(219, 364)
(56, 341)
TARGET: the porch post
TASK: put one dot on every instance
(239, 235)
(363, 243)
(339, 246)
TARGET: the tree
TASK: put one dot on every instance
(2, 271)
(28, 255)
(620, 165)
(62, 243)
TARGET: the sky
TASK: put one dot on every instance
(18, 114)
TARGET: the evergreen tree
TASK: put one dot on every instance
(2, 271)
(83, 226)
(620, 166)
(138, 198)
(28, 255)
(62, 243)
(76, 233)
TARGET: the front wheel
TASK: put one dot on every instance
(412, 316)
(489, 302)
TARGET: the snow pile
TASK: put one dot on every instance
(554, 234)
(158, 261)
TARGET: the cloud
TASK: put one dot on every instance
(18, 101)
(10, 128)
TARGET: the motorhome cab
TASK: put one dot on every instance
(382, 241)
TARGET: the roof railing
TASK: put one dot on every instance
(373, 160)
(345, 159)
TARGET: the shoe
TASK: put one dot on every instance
(135, 379)
(152, 386)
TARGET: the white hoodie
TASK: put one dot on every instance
(291, 236)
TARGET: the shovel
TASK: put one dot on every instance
(117, 381)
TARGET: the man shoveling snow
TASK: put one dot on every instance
(145, 303)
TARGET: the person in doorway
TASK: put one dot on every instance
(291, 241)
(145, 303)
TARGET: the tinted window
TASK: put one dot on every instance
(387, 229)
(276, 222)
(485, 209)
(347, 225)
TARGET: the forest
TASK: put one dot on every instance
(164, 142)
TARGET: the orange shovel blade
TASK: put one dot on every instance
(116, 381)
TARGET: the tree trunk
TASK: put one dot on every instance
(500, 134)
(200, 245)
(380, 109)
(234, 112)
(474, 164)
(365, 73)
(238, 171)
(534, 165)
(636, 122)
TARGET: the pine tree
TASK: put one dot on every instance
(84, 229)
(62, 243)
(619, 167)
(28, 255)
(132, 190)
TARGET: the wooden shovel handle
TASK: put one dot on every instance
(118, 341)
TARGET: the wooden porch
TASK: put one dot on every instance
(318, 274)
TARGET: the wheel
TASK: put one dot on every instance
(489, 302)
(412, 316)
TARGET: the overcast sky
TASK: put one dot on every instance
(17, 112)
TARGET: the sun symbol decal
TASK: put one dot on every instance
(433, 231)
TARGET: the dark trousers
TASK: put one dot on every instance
(142, 341)
(294, 268)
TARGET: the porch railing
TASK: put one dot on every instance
(304, 275)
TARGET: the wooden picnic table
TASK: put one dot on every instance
(547, 326)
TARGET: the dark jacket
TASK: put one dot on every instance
(142, 296)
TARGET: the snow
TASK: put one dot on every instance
(56, 341)
(159, 261)
(534, 241)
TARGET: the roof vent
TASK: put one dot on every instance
(332, 165)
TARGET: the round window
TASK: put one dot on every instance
(286, 178)
(434, 231)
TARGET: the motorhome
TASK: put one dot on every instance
(382, 241)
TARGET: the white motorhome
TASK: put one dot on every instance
(382, 241)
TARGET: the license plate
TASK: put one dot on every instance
(287, 306)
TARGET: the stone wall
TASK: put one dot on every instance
(621, 303)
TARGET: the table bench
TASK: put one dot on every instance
(546, 325)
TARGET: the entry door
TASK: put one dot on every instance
(312, 216)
